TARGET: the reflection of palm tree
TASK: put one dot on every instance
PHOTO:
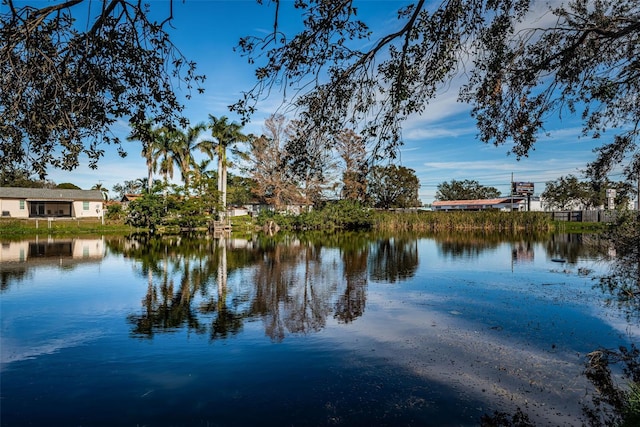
(225, 135)
(227, 320)
(165, 308)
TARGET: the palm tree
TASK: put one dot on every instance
(184, 144)
(225, 135)
(143, 183)
(163, 152)
(103, 189)
(201, 168)
(145, 133)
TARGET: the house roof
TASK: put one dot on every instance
(130, 197)
(49, 194)
(481, 202)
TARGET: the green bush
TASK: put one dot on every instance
(344, 215)
(114, 212)
(146, 212)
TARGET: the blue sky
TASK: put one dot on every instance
(440, 145)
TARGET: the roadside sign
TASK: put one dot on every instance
(523, 188)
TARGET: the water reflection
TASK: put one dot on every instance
(394, 259)
(359, 319)
(473, 244)
(51, 249)
(18, 256)
(292, 284)
(522, 252)
(454, 244)
(573, 247)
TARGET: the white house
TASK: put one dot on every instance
(17, 202)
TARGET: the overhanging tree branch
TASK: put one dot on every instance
(61, 87)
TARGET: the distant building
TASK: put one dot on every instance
(255, 208)
(516, 203)
(17, 202)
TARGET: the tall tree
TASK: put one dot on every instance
(316, 173)
(581, 57)
(351, 148)
(273, 183)
(70, 69)
(241, 190)
(183, 145)
(465, 190)
(565, 193)
(163, 155)
(393, 187)
(148, 136)
(569, 192)
(127, 187)
(226, 135)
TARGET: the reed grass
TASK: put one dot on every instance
(462, 221)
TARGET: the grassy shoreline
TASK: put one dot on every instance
(381, 221)
(35, 227)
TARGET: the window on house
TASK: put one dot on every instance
(21, 204)
(85, 206)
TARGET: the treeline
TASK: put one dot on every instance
(155, 211)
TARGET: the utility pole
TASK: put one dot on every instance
(511, 191)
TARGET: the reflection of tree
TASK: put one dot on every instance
(623, 280)
(183, 267)
(571, 247)
(294, 286)
(167, 308)
(293, 289)
(271, 289)
(612, 403)
(394, 259)
(350, 304)
(613, 373)
(309, 299)
(467, 244)
(12, 276)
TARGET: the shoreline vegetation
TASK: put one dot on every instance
(324, 220)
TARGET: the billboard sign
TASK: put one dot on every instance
(522, 188)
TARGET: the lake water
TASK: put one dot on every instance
(347, 329)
